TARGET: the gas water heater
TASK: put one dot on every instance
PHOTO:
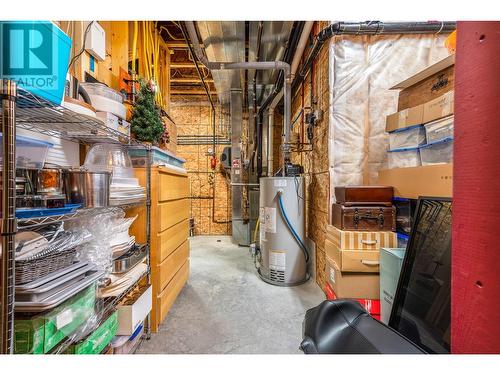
(284, 256)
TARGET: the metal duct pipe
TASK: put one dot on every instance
(369, 28)
(304, 36)
(257, 65)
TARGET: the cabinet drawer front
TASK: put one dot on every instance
(172, 290)
(169, 267)
(171, 239)
(172, 212)
(173, 186)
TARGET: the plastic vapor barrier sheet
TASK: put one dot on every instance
(362, 69)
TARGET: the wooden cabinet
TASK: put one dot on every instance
(169, 236)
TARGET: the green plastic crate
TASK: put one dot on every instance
(97, 340)
(41, 333)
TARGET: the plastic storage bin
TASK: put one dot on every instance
(30, 153)
(391, 261)
(40, 333)
(413, 136)
(405, 209)
(402, 240)
(159, 156)
(57, 47)
(438, 152)
(125, 344)
(404, 157)
(98, 339)
(102, 90)
(439, 129)
(105, 99)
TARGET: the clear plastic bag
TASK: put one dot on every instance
(102, 226)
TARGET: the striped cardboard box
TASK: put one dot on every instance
(354, 240)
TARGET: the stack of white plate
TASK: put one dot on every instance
(121, 243)
(126, 191)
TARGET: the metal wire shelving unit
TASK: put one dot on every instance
(22, 109)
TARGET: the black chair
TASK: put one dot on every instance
(344, 327)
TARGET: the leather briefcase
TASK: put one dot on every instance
(364, 218)
(364, 195)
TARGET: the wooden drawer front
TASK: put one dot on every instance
(172, 187)
(168, 268)
(171, 239)
(172, 290)
(172, 212)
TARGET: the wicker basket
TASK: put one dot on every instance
(43, 264)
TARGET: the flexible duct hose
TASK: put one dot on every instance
(289, 225)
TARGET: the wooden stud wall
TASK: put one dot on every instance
(193, 118)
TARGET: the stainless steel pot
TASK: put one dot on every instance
(90, 189)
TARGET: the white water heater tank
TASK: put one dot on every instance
(283, 260)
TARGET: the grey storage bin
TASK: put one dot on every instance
(437, 152)
(412, 136)
(404, 157)
(391, 262)
(439, 129)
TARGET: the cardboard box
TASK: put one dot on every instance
(131, 315)
(352, 285)
(357, 240)
(427, 85)
(439, 107)
(405, 118)
(353, 260)
(430, 180)
(370, 305)
(391, 262)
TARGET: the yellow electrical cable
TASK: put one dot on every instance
(257, 226)
(170, 34)
(134, 47)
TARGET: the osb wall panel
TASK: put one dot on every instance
(193, 118)
(312, 155)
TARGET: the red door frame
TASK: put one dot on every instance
(475, 325)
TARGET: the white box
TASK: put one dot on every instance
(132, 315)
(404, 158)
(391, 262)
(413, 136)
(95, 41)
(114, 122)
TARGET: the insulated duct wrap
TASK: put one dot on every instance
(362, 69)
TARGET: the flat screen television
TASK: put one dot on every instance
(422, 304)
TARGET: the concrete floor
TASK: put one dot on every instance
(226, 308)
